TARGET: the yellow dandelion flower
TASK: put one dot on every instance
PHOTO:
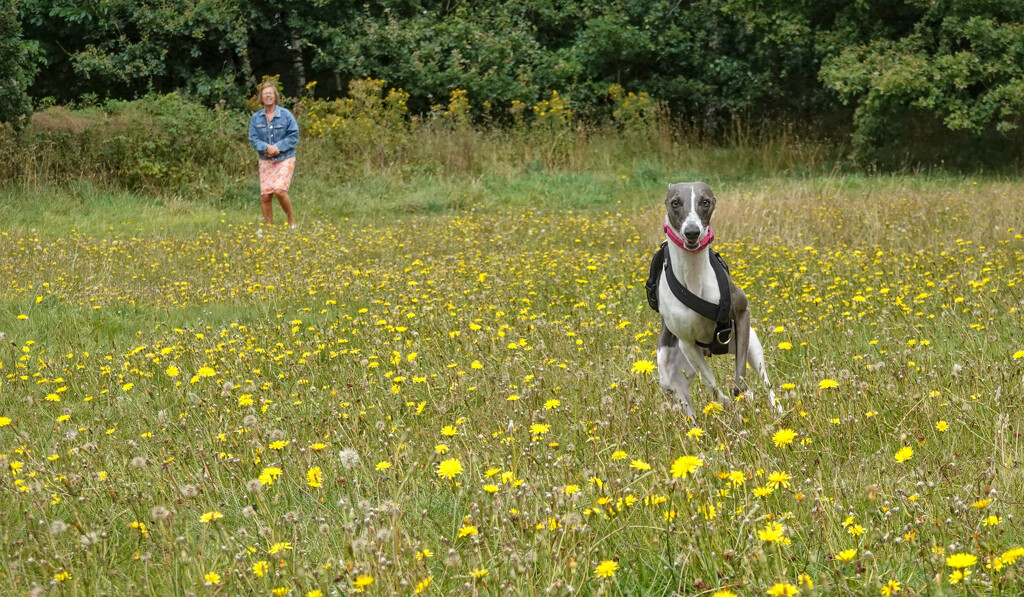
(772, 532)
(315, 477)
(210, 516)
(423, 585)
(713, 407)
(828, 383)
(449, 469)
(846, 555)
(280, 546)
(959, 575)
(643, 366)
(961, 560)
(606, 569)
(783, 437)
(539, 428)
(269, 475)
(778, 479)
(783, 589)
(904, 454)
(361, 582)
(685, 465)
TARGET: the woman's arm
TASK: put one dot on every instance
(254, 138)
(291, 137)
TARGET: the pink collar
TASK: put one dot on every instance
(709, 236)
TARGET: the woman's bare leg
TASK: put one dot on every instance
(267, 205)
(286, 205)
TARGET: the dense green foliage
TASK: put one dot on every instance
(870, 66)
(961, 62)
(156, 142)
(16, 69)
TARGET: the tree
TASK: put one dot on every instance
(960, 62)
(124, 48)
(17, 69)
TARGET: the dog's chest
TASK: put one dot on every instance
(682, 321)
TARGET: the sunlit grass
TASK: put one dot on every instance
(459, 402)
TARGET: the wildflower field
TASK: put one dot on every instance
(465, 402)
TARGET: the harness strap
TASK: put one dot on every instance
(718, 313)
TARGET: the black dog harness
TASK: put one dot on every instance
(661, 262)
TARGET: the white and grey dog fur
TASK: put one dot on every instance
(689, 207)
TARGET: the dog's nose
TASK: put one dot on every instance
(692, 233)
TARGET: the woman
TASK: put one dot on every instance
(274, 134)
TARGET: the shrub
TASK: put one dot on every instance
(367, 124)
(158, 143)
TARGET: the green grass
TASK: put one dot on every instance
(408, 307)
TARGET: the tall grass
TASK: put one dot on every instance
(166, 146)
(160, 367)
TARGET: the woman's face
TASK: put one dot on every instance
(268, 96)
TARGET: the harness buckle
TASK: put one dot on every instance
(728, 336)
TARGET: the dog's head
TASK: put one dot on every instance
(688, 207)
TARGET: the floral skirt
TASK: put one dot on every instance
(276, 176)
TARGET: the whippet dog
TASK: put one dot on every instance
(687, 336)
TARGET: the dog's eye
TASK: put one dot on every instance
(675, 203)
(705, 202)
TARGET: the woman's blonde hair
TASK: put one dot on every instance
(277, 94)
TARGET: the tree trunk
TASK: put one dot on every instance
(299, 67)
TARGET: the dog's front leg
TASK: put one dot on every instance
(693, 354)
(674, 371)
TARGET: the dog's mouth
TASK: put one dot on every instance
(691, 245)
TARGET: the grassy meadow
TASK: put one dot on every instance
(442, 385)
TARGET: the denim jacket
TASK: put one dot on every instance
(282, 131)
